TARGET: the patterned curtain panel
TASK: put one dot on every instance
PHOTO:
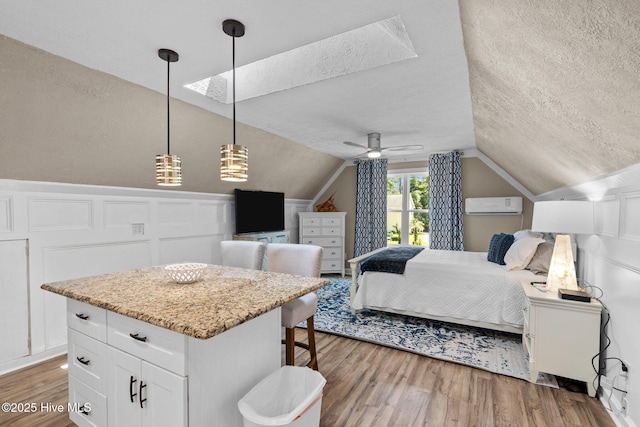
(371, 206)
(445, 202)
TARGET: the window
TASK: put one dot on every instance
(408, 208)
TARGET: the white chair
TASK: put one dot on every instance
(302, 260)
(242, 253)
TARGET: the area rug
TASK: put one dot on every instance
(494, 351)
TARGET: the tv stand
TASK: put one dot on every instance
(265, 237)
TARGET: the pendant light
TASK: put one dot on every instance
(168, 166)
(234, 158)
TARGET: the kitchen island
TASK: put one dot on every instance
(144, 350)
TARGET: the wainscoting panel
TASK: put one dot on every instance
(629, 224)
(60, 214)
(124, 213)
(6, 215)
(204, 249)
(607, 217)
(63, 263)
(76, 231)
(175, 213)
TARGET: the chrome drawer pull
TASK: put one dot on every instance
(137, 337)
(82, 360)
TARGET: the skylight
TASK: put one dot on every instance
(381, 43)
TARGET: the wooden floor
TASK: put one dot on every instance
(369, 385)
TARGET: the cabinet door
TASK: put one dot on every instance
(14, 302)
(124, 386)
(164, 396)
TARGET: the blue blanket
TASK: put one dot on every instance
(392, 260)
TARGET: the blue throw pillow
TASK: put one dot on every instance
(498, 247)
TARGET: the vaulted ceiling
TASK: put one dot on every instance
(548, 90)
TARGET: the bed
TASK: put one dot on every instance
(452, 286)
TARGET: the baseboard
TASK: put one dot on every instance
(24, 362)
(613, 405)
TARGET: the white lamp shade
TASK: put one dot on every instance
(563, 216)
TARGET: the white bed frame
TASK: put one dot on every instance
(353, 264)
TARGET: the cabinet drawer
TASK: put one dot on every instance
(331, 265)
(332, 252)
(312, 231)
(157, 345)
(88, 360)
(335, 222)
(322, 241)
(311, 222)
(88, 319)
(87, 407)
(331, 231)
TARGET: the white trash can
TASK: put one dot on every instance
(290, 396)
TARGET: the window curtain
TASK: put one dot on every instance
(371, 206)
(445, 202)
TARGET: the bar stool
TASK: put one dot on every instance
(303, 260)
(242, 253)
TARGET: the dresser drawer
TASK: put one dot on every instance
(322, 241)
(332, 252)
(87, 407)
(312, 231)
(88, 319)
(311, 222)
(331, 265)
(159, 346)
(87, 360)
(331, 231)
(331, 222)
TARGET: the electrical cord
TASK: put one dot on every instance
(623, 366)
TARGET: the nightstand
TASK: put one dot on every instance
(561, 336)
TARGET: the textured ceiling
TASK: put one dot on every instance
(422, 100)
(555, 87)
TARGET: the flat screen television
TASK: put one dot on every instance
(258, 211)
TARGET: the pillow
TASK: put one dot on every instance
(498, 246)
(539, 264)
(526, 233)
(521, 252)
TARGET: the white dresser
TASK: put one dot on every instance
(325, 229)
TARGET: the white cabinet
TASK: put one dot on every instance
(87, 360)
(325, 229)
(143, 394)
(126, 372)
(561, 337)
(266, 237)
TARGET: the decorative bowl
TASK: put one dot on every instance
(188, 272)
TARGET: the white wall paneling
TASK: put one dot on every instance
(120, 213)
(629, 223)
(14, 301)
(60, 214)
(80, 230)
(606, 213)
(6, 215)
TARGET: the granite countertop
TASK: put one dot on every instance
(224, 297)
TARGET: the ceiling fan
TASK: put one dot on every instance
(375, 150)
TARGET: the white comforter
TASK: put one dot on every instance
(462, 285)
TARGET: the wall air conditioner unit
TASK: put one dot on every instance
(493, 206)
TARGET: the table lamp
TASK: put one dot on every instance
(563, 217)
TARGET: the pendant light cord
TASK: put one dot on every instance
(233, 64)
(168, 109)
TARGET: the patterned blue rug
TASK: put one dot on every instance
(494, 351)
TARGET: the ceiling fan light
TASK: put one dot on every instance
(374, 154)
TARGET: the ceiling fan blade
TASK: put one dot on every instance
(353, 144)
(403, 148)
